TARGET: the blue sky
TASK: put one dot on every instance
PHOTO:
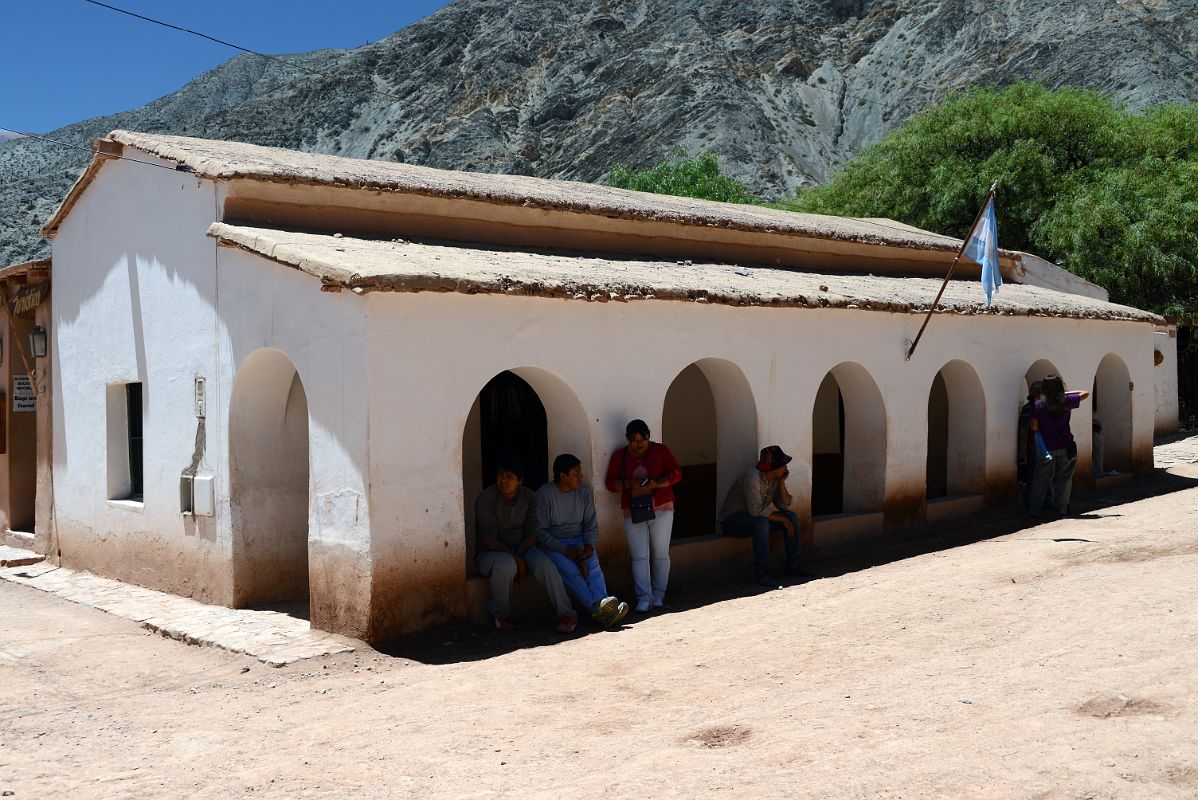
(62, 61)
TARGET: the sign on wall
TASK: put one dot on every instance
(28, 298)
(23, 396)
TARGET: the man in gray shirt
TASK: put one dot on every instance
(758, 503)
(505, 521)
(568, 532)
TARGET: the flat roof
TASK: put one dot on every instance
(372, 265)
(223, 160)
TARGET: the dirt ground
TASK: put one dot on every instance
(981, 660)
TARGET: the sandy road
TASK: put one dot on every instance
(984, 661)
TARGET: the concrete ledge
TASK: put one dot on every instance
(1107, 481)
(269, 636)
(529, 600)
(699, 557)
(19, 539)
(18, 556)
(694, 560)
(954, 505)
(837, 533)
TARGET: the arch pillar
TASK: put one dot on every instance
(906, 411)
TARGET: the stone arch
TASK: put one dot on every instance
(269, 480)
(848, 464)
(1112, 407)
(956, 461)
(709, 421)
(550, 419)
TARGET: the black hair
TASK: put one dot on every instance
(1052, 394)
(512, 463)
(563, 464)
(637, 426)
(1033, 390)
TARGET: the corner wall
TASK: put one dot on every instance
(134, 300)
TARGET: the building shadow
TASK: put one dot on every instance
(464, 642)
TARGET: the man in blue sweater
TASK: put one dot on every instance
(568, 532)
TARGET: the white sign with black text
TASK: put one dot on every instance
(23, 396)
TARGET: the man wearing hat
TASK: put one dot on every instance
(758, 503)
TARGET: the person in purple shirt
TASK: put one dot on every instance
(1050, 418)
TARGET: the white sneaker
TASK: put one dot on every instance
(642, 606)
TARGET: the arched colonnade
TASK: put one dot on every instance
(709, 418)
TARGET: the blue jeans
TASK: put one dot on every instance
(742, 525)
(589, 590)
(1052, 482)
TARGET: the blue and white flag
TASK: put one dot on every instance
(981, 247)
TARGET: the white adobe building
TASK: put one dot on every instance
(368, 335)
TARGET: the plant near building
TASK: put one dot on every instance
(1103, 192)
(683, 176)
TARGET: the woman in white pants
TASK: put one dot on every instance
(643, 473)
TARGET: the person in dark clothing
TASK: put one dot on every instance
(506, 525)
(1026, 451)
(1050, 418)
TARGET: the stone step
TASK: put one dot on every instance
(18, 557)
(271, 637)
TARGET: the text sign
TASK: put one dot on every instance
(28, 298)
(23, 396)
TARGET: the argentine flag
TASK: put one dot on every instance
(981, 247)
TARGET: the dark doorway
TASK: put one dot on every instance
(512, 420)
(689, 430)
(827, 457)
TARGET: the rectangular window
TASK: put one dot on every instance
(133, 405)
(125, 453)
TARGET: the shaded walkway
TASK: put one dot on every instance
(272, 637)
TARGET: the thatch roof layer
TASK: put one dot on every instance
(369, 265)
(222, 160)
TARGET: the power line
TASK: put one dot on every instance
(277, 59)
(89, 149)
(312, 71)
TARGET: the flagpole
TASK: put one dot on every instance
(953, 266)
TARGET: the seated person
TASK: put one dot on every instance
(568, 532)
(758, 503)
(505, 521)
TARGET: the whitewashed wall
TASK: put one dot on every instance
(264, 305)
(142, 294)
(1167, 408)
(432, 353)
(135, 300)
(139, 297)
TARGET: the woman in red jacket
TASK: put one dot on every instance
(643, 473)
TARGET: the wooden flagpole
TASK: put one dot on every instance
(953, 266)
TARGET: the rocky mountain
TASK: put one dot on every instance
(784, 90)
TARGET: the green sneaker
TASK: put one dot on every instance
(621, 612)
(605, 610)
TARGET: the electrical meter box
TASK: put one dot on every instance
(203, 496)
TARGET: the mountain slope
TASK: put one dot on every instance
(784, 90)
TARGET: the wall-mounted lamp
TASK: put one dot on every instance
(37, 342)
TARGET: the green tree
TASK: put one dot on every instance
(684, 176)
(1105, 193)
